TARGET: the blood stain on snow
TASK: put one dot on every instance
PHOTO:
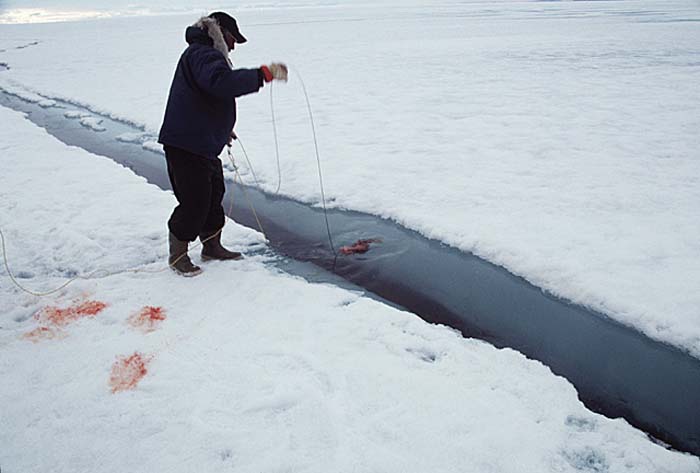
(61, 317)
(52, 318)
(127, 371)
(147, 319)
(44, 333)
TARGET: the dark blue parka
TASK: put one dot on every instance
(201, 109)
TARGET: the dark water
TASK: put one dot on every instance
(617, 371)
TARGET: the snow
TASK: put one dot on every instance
(93, 123)
(75, 114)
(557, 139)
(133, 137)
(28, 96)
(245, 368)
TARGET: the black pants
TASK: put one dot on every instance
(198, 183)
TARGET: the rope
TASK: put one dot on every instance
(237, 175)
(91, 275)
(318, 165)
(279, 167)
(277, 147)
(250, 166)
(94, 274)
(34, 293)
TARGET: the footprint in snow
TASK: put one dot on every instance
(226, 454)
(581, 424)
(275, 405)
(424, 354)
(24, 46)
(587, 459)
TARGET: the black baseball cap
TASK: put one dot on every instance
(227, 22)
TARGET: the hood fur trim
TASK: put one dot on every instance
(213, 30)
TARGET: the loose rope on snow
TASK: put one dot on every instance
(96, 273)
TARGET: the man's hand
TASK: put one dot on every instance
(279, 71)
(232, 138)
(276, 71)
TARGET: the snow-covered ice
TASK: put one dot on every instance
(75, 114)
(93, 123)
(557, 139)
(245, 368)
(133, 137)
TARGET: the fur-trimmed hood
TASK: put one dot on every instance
(213, 31)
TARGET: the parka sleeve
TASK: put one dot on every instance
(212, 73)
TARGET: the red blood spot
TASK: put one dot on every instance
(127, 371)
(147, 319)
(43, 333)
(360, 246)
(52, 318)
(60, 317)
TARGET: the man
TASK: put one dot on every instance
(198, 123)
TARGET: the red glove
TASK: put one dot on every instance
(267, 75)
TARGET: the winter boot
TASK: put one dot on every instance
(179, 261)
(212, 249)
